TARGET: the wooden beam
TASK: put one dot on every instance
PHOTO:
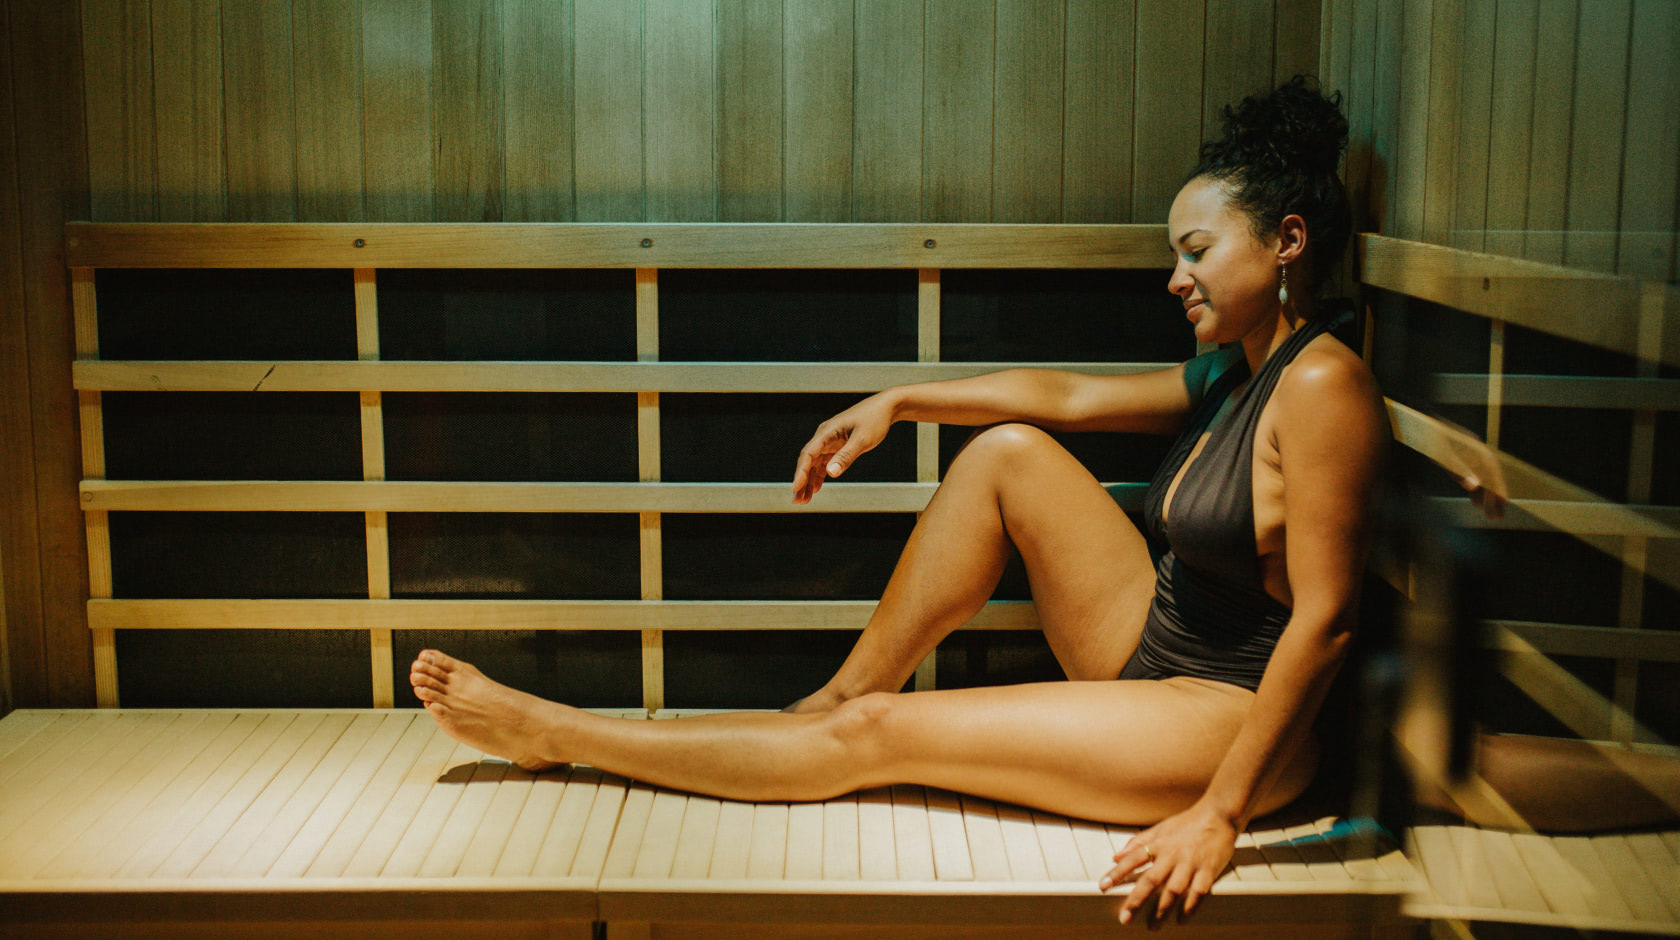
(649, 461)
(630, 245)
(412, 376)
(364, 496)
(373, 469)
(1558, 639)
(201, 614)
(928, 301)
(1559, 391)
(85, 310)
(1599, 309)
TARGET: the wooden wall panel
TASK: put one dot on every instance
(1549, 133)
(1029, 108)
(327, 72)
(537, 110)
(1169, 92)
(1409, 158)
(397, 110)
(1239, 36)
(122, 159)
(1296, 35)
(187, 96)
(1475, 100)
(1357, 100)
(25, 644)
(1511, 116)
(467, 110)
(46, 71)
(261, 138)
(607, 85)
(887, 105)
(679, 94)
(1096, 102)
(1651, 162)
(957, 113)
(749, 110)
(818, 142)
(1597, 124)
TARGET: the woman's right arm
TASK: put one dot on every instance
(1154, 402)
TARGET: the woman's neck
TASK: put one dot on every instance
(1259, 345)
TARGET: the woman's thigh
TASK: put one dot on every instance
(1128, 752)
(1090, 570)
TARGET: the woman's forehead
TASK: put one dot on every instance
(1201, 204)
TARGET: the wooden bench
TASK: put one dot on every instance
(359, 823)
(372, 823)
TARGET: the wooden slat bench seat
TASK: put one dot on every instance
(1618, 882)
(370, 823)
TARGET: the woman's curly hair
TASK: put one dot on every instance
(1278, 153)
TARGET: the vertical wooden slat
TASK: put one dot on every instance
(537, 109)
(1635, 551)
(1445, 66)
(1550, 130)
(466, 93)
(261, 138)
(607, 86)
(51, 185)
(1512, 117)
(1097, 112)
(819, 111)
(85, 310)
(20, 604)
(1239, 38)
(1296, 38)
(397, 110)
(887, 101)
(187, 92)
(373, 468)
(927, 435)
(1356, 104)
(957, 112)
(678, 91)
(1475, 100)
(117, 65)
(1595, 146)
(1411, 150)
(1027, 132)
(1385, 121)
(327, 68)
(1496, 382)
(749, 110)
(1169, 74)
(1651, 163)
(648, 471)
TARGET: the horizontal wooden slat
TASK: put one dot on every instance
(201, 614)
(385, 496)
(1598, 518)
(1601, 309)
(1557, 639)
(1559, 391)
(396, 376)
(571, 245)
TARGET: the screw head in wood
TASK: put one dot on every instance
(647, 243)
(361, 243)
(929, 243)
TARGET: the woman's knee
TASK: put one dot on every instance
(1000, 444)
(860, 729)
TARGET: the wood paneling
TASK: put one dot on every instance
(678, 93)
(1651, 162)
(819, 111)
(608, 102)
(537, 110)
(887, 104)
(1097, 126)
(1169, 93)
(749, 110)
(1027, 135)
(957, 112)
(1595, 146)
(467, 103)
(327, 72)
(122, 162)
(187, 95)
(261, 130)
(397, 109)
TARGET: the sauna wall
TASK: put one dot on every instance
(552, 110)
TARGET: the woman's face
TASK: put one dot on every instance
(1227, 277)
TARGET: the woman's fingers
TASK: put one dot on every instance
(1199, 887)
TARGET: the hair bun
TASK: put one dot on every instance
(1292, 129)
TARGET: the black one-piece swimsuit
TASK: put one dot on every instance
(1211, 617)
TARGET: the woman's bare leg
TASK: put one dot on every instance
(1130, 752)
(1012, 484)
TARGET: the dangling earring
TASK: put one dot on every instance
(1283, 285)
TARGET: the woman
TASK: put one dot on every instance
(1222, 654)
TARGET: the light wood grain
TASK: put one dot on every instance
(767, 854)
(819, 128)
(957, 143)
(467, 110)
(912, 837)
(1511, 113)
(877, 851)
(397, 110)
(695, 841)
(1650, 175)
(466, 820)
(187, 94)
(734, 841)
(950, 841)
(537, 110)
(804, 842)
(552, 809)
(1168, 87)
(121, 116)
(396, 812)
(750, 88)
(1549, 132)
(607, 96)
(1597, 125)
(515, 615)
(258, 99)
(887, 168)
(1475, 102)
(440, 795)
(1097, 122)
(373, 770)
(840, 843)
(1028, 109)
(599, 829)
(326, 70)
(678, 93)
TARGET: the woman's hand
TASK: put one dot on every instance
(1179, 859)
(839, 441)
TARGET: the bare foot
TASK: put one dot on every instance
(480, 712)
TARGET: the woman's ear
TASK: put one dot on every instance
(1292, 239)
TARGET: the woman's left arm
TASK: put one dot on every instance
(1331, 433)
